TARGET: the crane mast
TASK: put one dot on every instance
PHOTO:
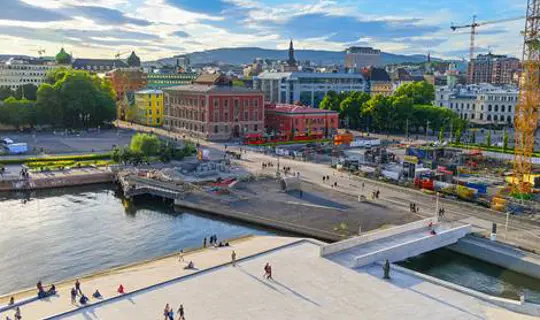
(526, 115)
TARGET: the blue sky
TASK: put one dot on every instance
(162, 28)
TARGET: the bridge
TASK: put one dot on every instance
(135, 186)
(394, 244)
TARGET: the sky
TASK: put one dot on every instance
(163, 28)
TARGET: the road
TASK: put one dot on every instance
(519, 233)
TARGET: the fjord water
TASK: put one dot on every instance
(59, 234)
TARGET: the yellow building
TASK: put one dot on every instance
(149, 107)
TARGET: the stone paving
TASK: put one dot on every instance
(305, 286)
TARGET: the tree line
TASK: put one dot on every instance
(67, 99)
(409, 109)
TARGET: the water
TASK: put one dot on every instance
(53, 235)
(475, 274)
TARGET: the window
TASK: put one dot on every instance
(246, 115)
(256, 102)
(509, 119)
(495, 118)
(226, 127)
(489, 117)
(509, 108)
(255, 127)
(226, 103)
(502, 108)
(216, 103)
(246, 103)
(451, 105)
(489, 109)
(496, 108)
(256, 115)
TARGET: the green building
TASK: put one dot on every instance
(160, 81)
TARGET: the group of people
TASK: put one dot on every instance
(286, 170)
(441, 213)
(42, 293)
(83, 299)
(413, 207)
(267, 271)
(168, 312)
(212, 240)
(268, 164)
(375, 194)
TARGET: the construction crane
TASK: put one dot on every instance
(473, 27)
(526, 115)
(41, 52)
(118, 54)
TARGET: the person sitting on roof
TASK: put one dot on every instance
(83, 300)
(52, 290)
(120, 289)
(97, 294)
(190, 265)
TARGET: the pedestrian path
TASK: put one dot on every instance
(141, 275)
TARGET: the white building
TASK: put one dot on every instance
(17, 72)
(308, 88)
(482, 104)
(357, 58)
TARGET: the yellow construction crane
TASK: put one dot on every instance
(118, 54)
(526, 115)
(473, 27)
(41, 52)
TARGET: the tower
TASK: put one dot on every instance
(291, 61)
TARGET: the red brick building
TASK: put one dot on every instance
(124, 80)
(294, 121)
(214, 112)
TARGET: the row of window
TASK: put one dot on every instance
(22, 74)
(488, 118)
(499, 98)
(490, 107)
(21, 80)
(202, 128)
(247, 102)
(26, 67)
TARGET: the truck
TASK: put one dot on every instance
(17, 148)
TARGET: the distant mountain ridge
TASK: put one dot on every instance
(238, 56)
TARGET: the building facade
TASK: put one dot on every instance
(494, 69)
(293, 121)
(481, 104)
(124, 80)
(160, 81)
(98, 65)
(357, 58)
(214, 112)
(378, 81)
(149, 107)
(17, 72)
(307, 88)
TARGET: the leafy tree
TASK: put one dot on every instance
(505, 140)
(378, 108)
(458, 135)
(18, 112)
(27, 91)
(5, 92)
(488, 138)
(330, 101)
(352, 108)
(133, 60)
(76, 99)
(421, 92)
(145, 144)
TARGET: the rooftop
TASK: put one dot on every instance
(99, 62)
(296, 75)
(305, 286)
(294, 109)
(149, 91)
(212, 89)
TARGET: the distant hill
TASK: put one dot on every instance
(237, 56)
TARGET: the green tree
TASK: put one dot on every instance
(18, 113)
(145, 144)
(441, 135)
(458, 135)
(5, 92)
(352, 108)
(26, 91)
(505, 140)
(421, 92)
(331, 101)
(378, 108)
(488, 138)
(77, 98)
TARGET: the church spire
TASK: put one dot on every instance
(291, 61)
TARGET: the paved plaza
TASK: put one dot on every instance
(305, 286)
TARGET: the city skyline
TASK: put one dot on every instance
(162, 28)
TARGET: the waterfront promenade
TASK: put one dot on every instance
(139, 275)
(305, 286)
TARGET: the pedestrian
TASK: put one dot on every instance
(233, 258)
(73, 295)
(17, 315)
(181, 256)
(324, 179)
(78, 287)
(120, 289)
(171, 314)
(266, 266)
(335, 184)
(378, 193)
(269, 272)
(181, 312)
(204, 243)
(363, 185)
(166, 311)
(11, 301)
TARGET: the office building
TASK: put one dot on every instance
(149, 107)
(294, 121)
(160, 81)
(17, 72)
(482, 104)
(494, 69)
(213, 112)
(357, 58)
(378, 81)
(305, 87)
